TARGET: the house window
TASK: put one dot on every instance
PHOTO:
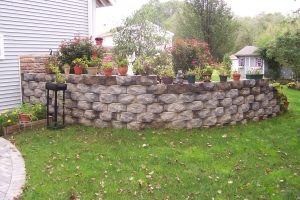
(241, 62)
(258, 62)
(1, 47)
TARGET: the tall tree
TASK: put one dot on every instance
(211, 21)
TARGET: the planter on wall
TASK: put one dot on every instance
(78, 70)
(92, 70)
(123, 70)
(236, 77)
(223, 78)
(206, 77)
(191, 78)
(108, 72)
(167, 80)
(254, 76)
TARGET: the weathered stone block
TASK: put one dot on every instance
(233, 93)
(136, 89)
(146, 80)
(249, 114)
(85, 121)
(40, 77)
(145, 98)
(185, 115)
(91, 97)
(155, 108)
(255, 106)
(126, 98)
(77, 112)
(177, 88)
(42, 100)
(83, 88)
(249, 83)
(195, 88)
(29, 76)
(98, 106)
(264, 104)
(145, 117)
(108, 98)
(194, 123)
(178, 124)
(116, 89)
(224, 85)
(249, 99)
(91, 79)
(32, 99)
(167, 98)
(157, 89)
(126, 80)
(210, 121)
(264, 89)
(226, 102)
(90, 114)
(32, 85)
(28, 92)
(213, 103)
(39, 93)
(255, 119)
(238, 100)
(136, 108)
(219, 111)
(111, 80)
(77, 96)
(168, 116)
(262, 82)
(49, 78)
(70, 103)
(75, 79)
(116, 107)
(218, 94)
(41, 86)
(244, 91)
(255, 90)
(237, 84)
(126, 117)
(225, 119)
(134, 125)
(186, 97)
(106, 116)
(176, 107)
(268, 111)
(101, 124)
(237, 117)
(243, 108)
(259, 97)
(195, 105)
(98, 89)
(276, 109)
(117, 124)
(269, 96)
(259, 112)
(273, 102)
(204, 113)
(203, 96)
(71, 87)
(84, 105)
(70, 120)
(210, 86)
(231, 109)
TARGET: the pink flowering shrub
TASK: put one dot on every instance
(189, 53)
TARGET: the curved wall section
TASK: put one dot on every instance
(137, 102)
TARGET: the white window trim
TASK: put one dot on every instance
(2, 47)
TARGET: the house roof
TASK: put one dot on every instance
(103, 3)
(233, 57)
(247, 51)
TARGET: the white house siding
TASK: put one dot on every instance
(34, 27)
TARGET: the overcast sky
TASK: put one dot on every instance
(110, 17)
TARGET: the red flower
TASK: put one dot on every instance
(193, 62)
(95, 55)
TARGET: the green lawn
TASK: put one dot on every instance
(252, 161)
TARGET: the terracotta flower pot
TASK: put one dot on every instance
(78, 70)
(67, 70)
(92, 70)
(123, 70)
(24, 117)
(236, 77)
(167, 80)
(108, 72)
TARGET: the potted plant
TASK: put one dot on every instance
(79, 63)
(223, 73)
(66, 68)
(236, 75)
(191, 76)
(93, 65)
(123, 66)
(138, 68)
(206, 73)
(167, 74)
(254, 74)
(25, 113)
(107, 68)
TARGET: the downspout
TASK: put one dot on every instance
(91, 17)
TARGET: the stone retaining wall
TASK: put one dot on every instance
(137, 102)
